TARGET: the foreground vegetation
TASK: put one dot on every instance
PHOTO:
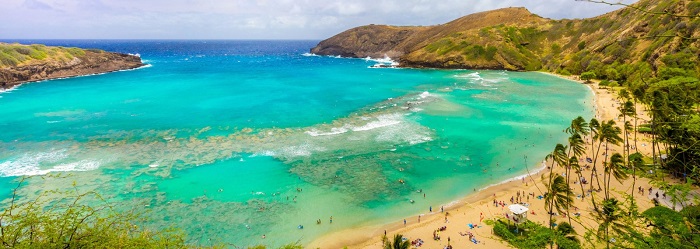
(71, 223)
(83, 220)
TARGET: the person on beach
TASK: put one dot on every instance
(404, 222)
(419, 218)
(331, 219)
(442, 209)
(431, 209)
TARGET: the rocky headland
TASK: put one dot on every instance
(27, 63)
(516, 39)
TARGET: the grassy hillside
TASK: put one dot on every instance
(603, 44)
(18, 55)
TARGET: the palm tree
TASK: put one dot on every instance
(578, 147)
(609, 134)
(626, 109)
(636, 160)
(566, 232)
(611, 216)
(398, 242)
(578, 126)
(559, 196)
(637, 93)
(614, 168)
(594, 126)
(558, 156)
(573, 163)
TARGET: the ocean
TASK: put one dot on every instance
(230, 140)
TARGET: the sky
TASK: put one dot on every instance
(247, 19)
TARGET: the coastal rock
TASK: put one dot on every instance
(91, 62)
(374, 41)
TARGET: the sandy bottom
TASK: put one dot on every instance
(478, 207)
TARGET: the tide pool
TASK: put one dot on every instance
(230, 140)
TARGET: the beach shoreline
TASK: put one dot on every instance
(478, 206)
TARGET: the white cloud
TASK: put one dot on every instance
(251, 19)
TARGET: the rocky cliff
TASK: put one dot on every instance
(24, 63)
(515, 39)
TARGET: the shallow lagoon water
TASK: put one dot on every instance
(230, 140)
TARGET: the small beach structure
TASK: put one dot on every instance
(519, 213)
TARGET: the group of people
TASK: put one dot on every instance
(417, 242)
(436, 234)
(472, 238)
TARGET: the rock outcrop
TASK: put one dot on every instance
(89, 62)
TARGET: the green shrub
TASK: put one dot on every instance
(37, 54)
(23, 50)
(7, 60)
(75, 52)
(490, 52)
(475, 52)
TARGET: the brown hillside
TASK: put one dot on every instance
(515, 39)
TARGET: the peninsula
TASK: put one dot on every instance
(27, 63)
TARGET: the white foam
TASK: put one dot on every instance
(310, 55)
(383, 121)
(264, 153)
(28, 164)
(333, 131)
(385, 60)
(472, 76)
(8, 90)
(300, 150)
(424, 95)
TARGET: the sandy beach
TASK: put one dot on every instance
(479, 207)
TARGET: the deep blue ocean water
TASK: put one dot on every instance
(230, 140)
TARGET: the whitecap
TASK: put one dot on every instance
(424, 95)
(28, 164)
(383, 121)
(310, 55)
(333, 131)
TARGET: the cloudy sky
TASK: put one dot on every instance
(246, 19)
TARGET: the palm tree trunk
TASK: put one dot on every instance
(607, 238)
(653, 138)
(579, 174)
(636, 149)
(595, 161)
(549, 192)
(606, 172)
(568, 174)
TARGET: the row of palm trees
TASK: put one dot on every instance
(602, 135)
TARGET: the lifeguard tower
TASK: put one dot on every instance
(519, 214)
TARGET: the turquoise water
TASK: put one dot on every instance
(230, 140)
